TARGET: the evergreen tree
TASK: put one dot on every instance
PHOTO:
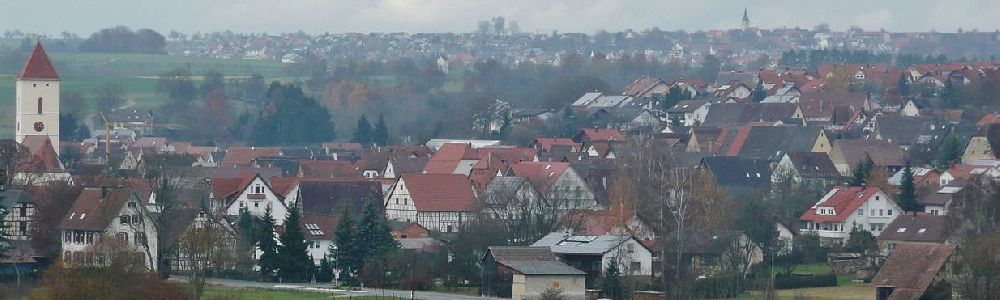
(862, 170)
(347, 248)
(290, 117)
(374, 231)
(612, 286)
(268, 246)
(904, 85)
(325, 273)
(950, 152)
(293, 261)
(381, 134)
(363, 132)
(907, 191)
(758, 94)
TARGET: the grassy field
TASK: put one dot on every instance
(850, 291)
(153, 64)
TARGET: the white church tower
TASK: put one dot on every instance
(38, 99)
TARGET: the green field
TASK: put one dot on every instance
(153, 64)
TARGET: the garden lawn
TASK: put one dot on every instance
(220, 292)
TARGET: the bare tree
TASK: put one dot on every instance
(206, 246)
(526, 214)
(14, 159)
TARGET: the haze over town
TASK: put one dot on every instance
(554, 150)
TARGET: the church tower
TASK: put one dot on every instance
(746, 21)
(37, 89)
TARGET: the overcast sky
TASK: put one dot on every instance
(317, 16)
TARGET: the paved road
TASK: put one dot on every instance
(328, 288)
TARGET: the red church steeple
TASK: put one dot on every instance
(39, 67)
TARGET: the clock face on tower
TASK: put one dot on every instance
(39, 126)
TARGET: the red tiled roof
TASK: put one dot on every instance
(844, 201)
(38, 66)
(546, 143)
(224, 187)
(440, 192)
(92, 212)
(600, 135)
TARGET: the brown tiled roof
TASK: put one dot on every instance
(44, 157)
(541, 174)
(591, 135)
(813, 164)
(327, 168)
(815, 105)
(918, 228)
(440, 192)
(323, 230)
(38, 66)
(882, 153)
(224, 187)
(911, 268)
(92, 212)
(449, 157)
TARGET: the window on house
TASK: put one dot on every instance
(880, 213)
(125, 219)
(39, 105)
(934, 212)
(890, 212)
(132, 205)
(635, 267)
(256, 204)
(123, 236)
(90, 238)
(242, 204)
(595, 266)
(78, 237)
(24, 228)
(69, 237)
(449, 228)
(861, 212)
(140, 238)
(873, 212)
(24, 211)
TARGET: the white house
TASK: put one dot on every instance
(249, 192)
(593, 253)
(20, 212)
(438, 202)
(108, 213)
(557, 181)
(689, 112)
(318, 232)
(844, 208)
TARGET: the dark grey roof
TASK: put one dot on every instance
(325, 197)
(10, 197)
(408, 165)
(687, 106)
(581, 245)
(738, 170)
(770, 141)
(542, 268)
(742, 113)
(521, 253)
(813, 164)
(900, 130)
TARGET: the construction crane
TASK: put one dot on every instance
(107, 139)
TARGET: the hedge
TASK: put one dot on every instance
(719, 286)
(795, 282)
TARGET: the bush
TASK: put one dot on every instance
(719, 286)
(794, 282)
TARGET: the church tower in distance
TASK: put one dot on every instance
(38, 99)
(746, 20)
